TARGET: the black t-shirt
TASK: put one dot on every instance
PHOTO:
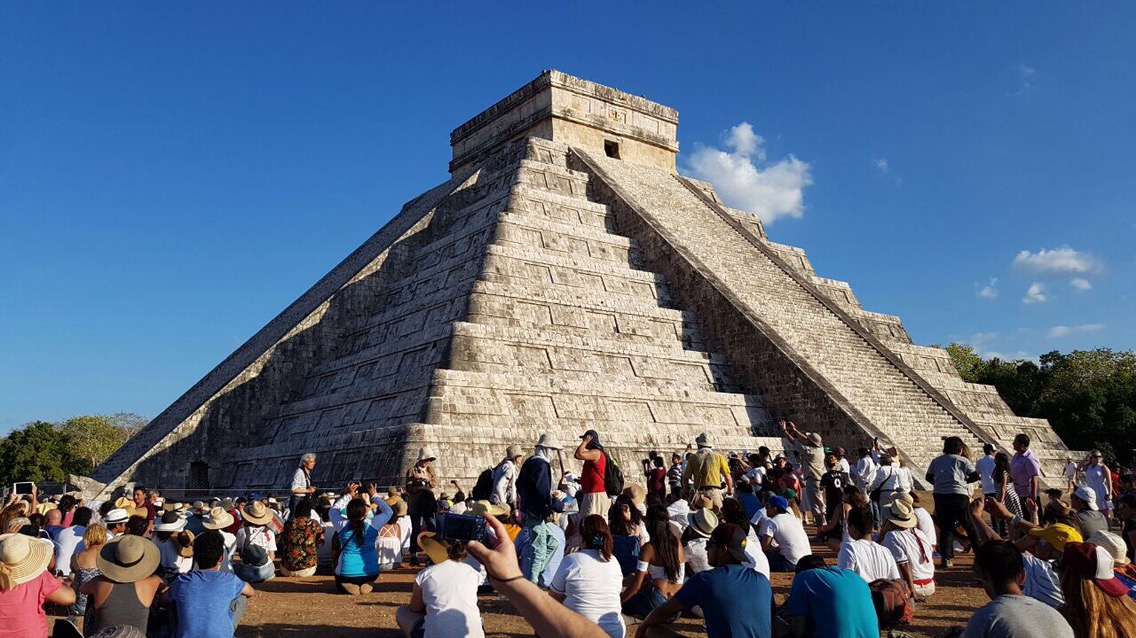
(833, 483)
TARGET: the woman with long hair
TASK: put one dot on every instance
(1004, 485)
(660, 570)
(353, 546)
(588, 581)
(1096, 602)
(625, 519)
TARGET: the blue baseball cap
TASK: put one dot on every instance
(779, 502)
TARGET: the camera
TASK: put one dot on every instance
(461, 527)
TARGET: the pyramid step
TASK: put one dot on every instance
(574, 299)
(589, 265)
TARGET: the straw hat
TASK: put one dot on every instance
(116, 516)
(218, 519)
(436, 549)
(128, 559)
(815, 439)
(256, 513)
(637, 492)
(426, 454)
(170, 522)
(24, 557)
(702, 521)
(183, 541)
(400, 508)
(125, 503)
(1113, 544)
(513, 451)
(483, 507)
(902, 514)
(549, 440)
(703, 440)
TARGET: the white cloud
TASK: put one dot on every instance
(1080, 283)
(1059, 261)
(1035, 293)
(1026, 71)
(1056, 332)
(743, 179)
(882, 164)
(990, 290)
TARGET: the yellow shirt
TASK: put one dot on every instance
(707, 468)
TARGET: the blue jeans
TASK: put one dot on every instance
(778, 563)
(646, 600)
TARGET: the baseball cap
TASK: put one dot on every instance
(1090, 562)
(1087, 495)
(1057, 535)
(779, 502)
(733, 538)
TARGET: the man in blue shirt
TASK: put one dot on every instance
(206, 598)
(829, 602)
(736, 601)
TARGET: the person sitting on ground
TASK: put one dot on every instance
(137, 525)
(208, 601)
(255, 532)
(835, 532)
(354, 545)
(1089, 519)
(589, 581)
(829, 602)
(660, 570)
(173, 562)
(733, 513)
(1122, 565)
(69, 538)
(1010, 613)
(787, 531)
(26, 584)
(126, 587)
(911, 549)
(220, 520)
(701, 524)
(1096, 602)
(302, 537)
(115, 520)
(859, 554)
(745, 494)
(444, 599)
(735, 600)
(390, 542)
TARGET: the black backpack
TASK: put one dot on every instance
(613, 476)
(483, 488)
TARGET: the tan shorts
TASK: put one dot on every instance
(594, 503)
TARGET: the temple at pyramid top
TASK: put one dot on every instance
(566, 109)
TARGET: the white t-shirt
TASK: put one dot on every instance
(168, 550)
(926, 525)
(985, 467)
(66, 541)
(843, 466)
(869, 560)
(865, 473)
(591, 588)
(758, 517)
(911, 546)
(261, 536)
(696, 558)
(449, 590)
(789, 534)
(755, 558)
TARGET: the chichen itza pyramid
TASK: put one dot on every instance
(566, 277)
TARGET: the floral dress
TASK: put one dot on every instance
(81, 577)
(302, 540)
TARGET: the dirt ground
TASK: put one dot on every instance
(310, 606)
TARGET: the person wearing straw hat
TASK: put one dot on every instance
(254, 529)
(115, 521)
(911, 549)
(709, 471)
(700, 524)
(209, 601)
(127, 586)
(219, 520)
(811, 447)
(444, 599)
(505, 477)
(422, 505)
(165, 529)
(25, 584)
(390, 536)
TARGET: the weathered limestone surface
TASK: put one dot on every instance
(550, 287)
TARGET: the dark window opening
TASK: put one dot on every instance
(199, 476)
(611, 149)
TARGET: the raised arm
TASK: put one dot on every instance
(385, 512)
(583, 453)
(338, 518)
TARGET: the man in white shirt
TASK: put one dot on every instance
(783, 536)
(505, 477)
(70, 538)
(1070, 473)
(115, 522)
(864, 472)
(860, 554)
(842, 461)
(985, 467)
(911, 549)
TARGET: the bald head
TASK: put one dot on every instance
(54, 517)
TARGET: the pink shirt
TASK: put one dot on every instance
(1023, 467)
(21, 608)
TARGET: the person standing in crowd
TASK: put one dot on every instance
(1070, 473)
(985, 467)
(860, 554)
(864, 474)
(69, 538)
(208, 601)
(950, 474)
(144, 507)
(589, 581)
(657, 479)
(787, 531)
(829, 602)
(420, 500)
(660, 570)
(912, 550)
(842, 463)
(891, 481)
(126, 587)
(811, 447)
(1004, 491)
(302, 537)
(593, 495)
(85, 568)
(302, 487)
(709, 471)
(354, 546)
(25, 585)
(1098, 478)
(735, 600)
(833, 483)
(1096, 602)
(1089, 518)
(1010, 613)
(674, 474)
(1026, 470)
(505, 477)
(444, 599)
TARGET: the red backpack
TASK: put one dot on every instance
(893, 602)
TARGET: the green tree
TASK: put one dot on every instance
(966, 361)
(37, 452)
(90, 440)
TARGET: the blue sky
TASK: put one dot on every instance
(173, 175)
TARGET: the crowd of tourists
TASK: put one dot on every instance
(601, 552)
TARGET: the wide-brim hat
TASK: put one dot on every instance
(24, 557)
(702, 521)
(426, 454)
(218, 519)
(400, 508)
(1113, 544)
(513, 451)
(170, 522)
(128, 559)
(483, 507)
(227, 503)
(124, 503)
(549, 440)
(185, 550)
(902, 514)
(438, 550)
(637, 492)
(256, 513)
(703, 440)
(814, 439)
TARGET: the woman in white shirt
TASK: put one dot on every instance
(911, 549)
(444, 600)
(589, 581)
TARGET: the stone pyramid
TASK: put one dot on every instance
(566, 277)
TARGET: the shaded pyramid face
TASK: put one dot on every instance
(551, 287)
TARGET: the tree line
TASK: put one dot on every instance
(44, 451)
(1088, 396)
